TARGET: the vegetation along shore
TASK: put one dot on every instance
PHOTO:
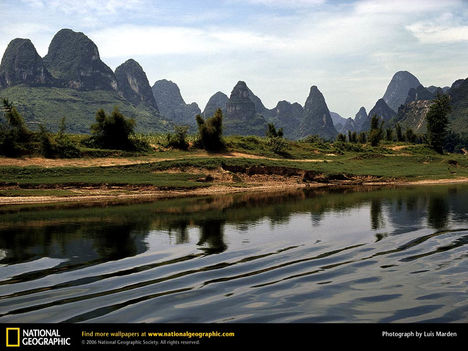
(115, 164)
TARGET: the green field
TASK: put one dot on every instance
(184, 169)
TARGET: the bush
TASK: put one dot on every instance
(47, 145)
(341, 146)
(211, 131)
(178, 140)
(277, 144)
(65, 148)
(114, 132)
(272, 132)
(61, 146)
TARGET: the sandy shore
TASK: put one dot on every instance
(147, 194)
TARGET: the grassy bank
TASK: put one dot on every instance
(246, 157)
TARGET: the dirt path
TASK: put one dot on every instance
(123, 161)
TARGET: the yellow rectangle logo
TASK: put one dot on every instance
(11, 340)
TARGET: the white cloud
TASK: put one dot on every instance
(128, 40)
(286, 3)
(395, 7)
(82, 7)
(429, 33)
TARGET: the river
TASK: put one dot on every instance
(324, 255)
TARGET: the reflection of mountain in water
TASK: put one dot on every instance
(76, 243)
(406, 213)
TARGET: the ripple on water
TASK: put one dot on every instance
(236, 266)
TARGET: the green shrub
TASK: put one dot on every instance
(115, 132)
(178, 140)
(277, 144)
(211, 131)
(272, 132)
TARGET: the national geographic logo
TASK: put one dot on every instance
(12, 337)
(16, 337)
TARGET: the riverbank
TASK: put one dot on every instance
(195, 173)
(144, 193)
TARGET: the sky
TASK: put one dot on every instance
(280, 48)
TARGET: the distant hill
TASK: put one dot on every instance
(133, 84)
(71, 81)
(413, 113)
(316, 119)
(171, 104)
(338, 121)
(21, 64)
(47, 106)
(397, 89)
(74, 59)
(383, 111)
(360, 119)
(287, 116)
(218, 100)
(241, 117)
(459, 99)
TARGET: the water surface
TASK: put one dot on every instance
(342, 255)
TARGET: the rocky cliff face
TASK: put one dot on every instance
(382, 110)
(338, 121)
(74, 59)
(259, 107)
(241, 116)
(459, 100)
(349, 126)
(420, 93)
(316, 119)
(172, 105)
(360, 119)
(21, 64)
(288, 116)
(218, 100)
(397, 90)
(413, 115)
(133, 84)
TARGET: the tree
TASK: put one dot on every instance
(341, 137)
(211, 131)
(15, 137)
(389, 134)
(437, 122)
(399, 133)
(376, 132)
(410, 136)
(113, 131)
(362, 138)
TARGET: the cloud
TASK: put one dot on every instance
(350, 49)
(165, 40)
(430, 33)
(286, 3)
(395, 7)
(82, 7)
